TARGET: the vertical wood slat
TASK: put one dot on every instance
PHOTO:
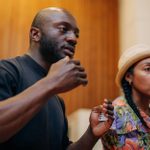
(97, 48)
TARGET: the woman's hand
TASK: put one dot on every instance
(100, 127)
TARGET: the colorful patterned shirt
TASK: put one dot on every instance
(127, 131)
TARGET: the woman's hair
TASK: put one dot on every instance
(128, 95)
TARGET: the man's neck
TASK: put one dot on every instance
(34, 54)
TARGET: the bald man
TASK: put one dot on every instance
(32, 116)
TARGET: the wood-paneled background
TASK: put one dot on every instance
(97, 46)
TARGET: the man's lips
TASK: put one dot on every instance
(69, 51)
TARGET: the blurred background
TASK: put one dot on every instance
(107, 27)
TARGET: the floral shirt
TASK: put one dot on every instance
(127, 131)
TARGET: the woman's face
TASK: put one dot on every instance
(140, 79)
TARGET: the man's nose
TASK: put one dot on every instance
(71, 38)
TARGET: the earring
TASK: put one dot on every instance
(130, 82)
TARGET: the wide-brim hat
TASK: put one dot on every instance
(130, 57)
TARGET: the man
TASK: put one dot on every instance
(32, 115)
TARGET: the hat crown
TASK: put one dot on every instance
(131, 52)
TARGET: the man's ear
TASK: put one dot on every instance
(129, 77)
(35, 34)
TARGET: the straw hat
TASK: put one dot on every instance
(130, 57)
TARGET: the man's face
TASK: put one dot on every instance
(59, 37)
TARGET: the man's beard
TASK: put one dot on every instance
(49, 50)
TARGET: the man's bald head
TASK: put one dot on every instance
(45, 14)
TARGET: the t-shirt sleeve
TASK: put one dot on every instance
(8, 83)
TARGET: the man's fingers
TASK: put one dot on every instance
(76, 62)
(84, 82)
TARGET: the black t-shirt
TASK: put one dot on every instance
(48, 129)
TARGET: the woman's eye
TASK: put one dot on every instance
(147, 69)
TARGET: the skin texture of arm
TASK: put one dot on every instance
(87, 141)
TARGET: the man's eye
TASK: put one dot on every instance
(63, 29)
(77, 35)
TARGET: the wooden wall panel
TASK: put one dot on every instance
(97, 48)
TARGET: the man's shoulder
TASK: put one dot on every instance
(11, 64)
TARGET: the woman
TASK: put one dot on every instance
(131, 126)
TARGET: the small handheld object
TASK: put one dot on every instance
(102, 117)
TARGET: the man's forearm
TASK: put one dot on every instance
(18, 110)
